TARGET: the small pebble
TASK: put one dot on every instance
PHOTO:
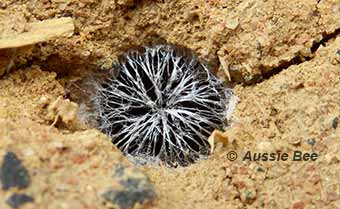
(299, 205)
(13, 173)
(335, 122)
(16, 200)
(260, 169)
(294, 140)
(311, 142)
(265, 146)
(135, 188)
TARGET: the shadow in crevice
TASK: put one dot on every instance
(298, 59)
(324, 40)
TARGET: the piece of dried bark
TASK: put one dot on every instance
(40, 32)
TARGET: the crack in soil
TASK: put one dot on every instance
(298, 59)
(325, 38)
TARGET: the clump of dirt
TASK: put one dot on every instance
(290, 49)
(67, 170)
(24, 93)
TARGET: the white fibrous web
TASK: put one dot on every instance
(162, 104)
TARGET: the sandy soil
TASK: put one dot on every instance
(283, 60)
